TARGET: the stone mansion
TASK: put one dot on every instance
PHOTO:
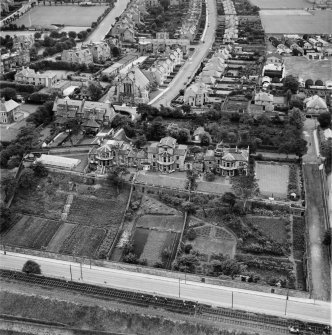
(168, 156)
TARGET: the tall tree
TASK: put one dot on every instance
(191, 183)
(291, 83)
(245, 185)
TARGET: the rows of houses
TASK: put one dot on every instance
(168, 156)
(231, 22)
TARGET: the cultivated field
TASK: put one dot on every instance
(60, 236)
(272, 4)
(149, 244)
(65, 15)
(161, 222)
(306, 69)
(31, 232)
(153, 206)
(317, 22)
(272, 179)
(270, 226)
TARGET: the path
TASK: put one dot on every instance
(106, 24)
(316, 219)
(267, 303)
(189, 69)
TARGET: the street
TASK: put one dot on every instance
(302, 309)
(193, 63)
(105, 25)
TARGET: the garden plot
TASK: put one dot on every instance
(275, 228)
(63, 232)
(153, 206)
(150, 244)
(83, 241)
(61, 15)
(272, 179)
(161, 222)
(298, 237)
(96, 212)
(212, 240)
(37, 202)
(32, 232)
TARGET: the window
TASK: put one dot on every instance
(165, 159)
(177, 166)
(177, 157)
(154, 156)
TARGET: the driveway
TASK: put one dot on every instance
(190, 67)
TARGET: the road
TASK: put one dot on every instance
(319, 265)
(302, 309)
(190, 67)
(105, 25)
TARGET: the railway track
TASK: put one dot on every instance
(235, 317)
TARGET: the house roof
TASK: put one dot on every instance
(7, 106)
(153, 148)
(199, 131)
(91, 124)
(263, 96)
(234, 156)
(167, 141)
(315, 102)
(180, 150)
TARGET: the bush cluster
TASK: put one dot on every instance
(293, 184)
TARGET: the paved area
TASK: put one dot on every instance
(103, 28)
(191, 66)
(319, 265)
(174, 287)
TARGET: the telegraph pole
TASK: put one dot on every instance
(81, 271)
(71, 275)
(179, 287)
(232, 299)
(286, 302)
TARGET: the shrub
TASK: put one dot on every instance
(187, 248)
(31, 267)
(210, 176)
(191, 235)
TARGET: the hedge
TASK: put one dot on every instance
(19, 87)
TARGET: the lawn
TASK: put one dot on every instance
(272, 179)
(270, 226)
(214, 240)
(61, 15)
(32, 232)
(83, 241)
(161, 222)
(149, 244)
(315, 22)
(308, 69)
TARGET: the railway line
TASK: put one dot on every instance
(268, 323)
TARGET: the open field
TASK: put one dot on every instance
(32, 232)
(66, 15)
(149, 244)
(214, 240)
(272, 4)
(309, 69)
(161, 222)
(319, 22)
(272, 179)
(271, 226)
(83, 241)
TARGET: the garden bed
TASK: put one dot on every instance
(298, 237)
(32, 232)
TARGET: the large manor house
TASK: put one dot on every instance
(168, 156)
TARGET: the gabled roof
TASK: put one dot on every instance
(7, 106)
(315, 102)
(273, 54)
(91, 124)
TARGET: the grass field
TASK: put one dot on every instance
(161, 222)
(83, 241)
(308, 69)
(270, 226)
(66, 15)
(318, 22)
(272, 179)
(32, 232)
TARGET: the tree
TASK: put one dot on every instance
(210, 176)
(5, 218)
(229, 198)
(205, 139)
(37, 35)
(72, 34)
(40, 170)
(291, 83)
(189, 207)
(296, 118)
(140, 141)
(245, 185)
(31, 267)
(95, 91)
(308, 83)
(8, 93)
(14, 161)
(114, 177)
(191, 182)
(186, 263)
(324, 120)
(186, 109)
(327, 237)
(8, 185)
(326, 151)
(28, 179)
(115, 52)
(165, 4)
